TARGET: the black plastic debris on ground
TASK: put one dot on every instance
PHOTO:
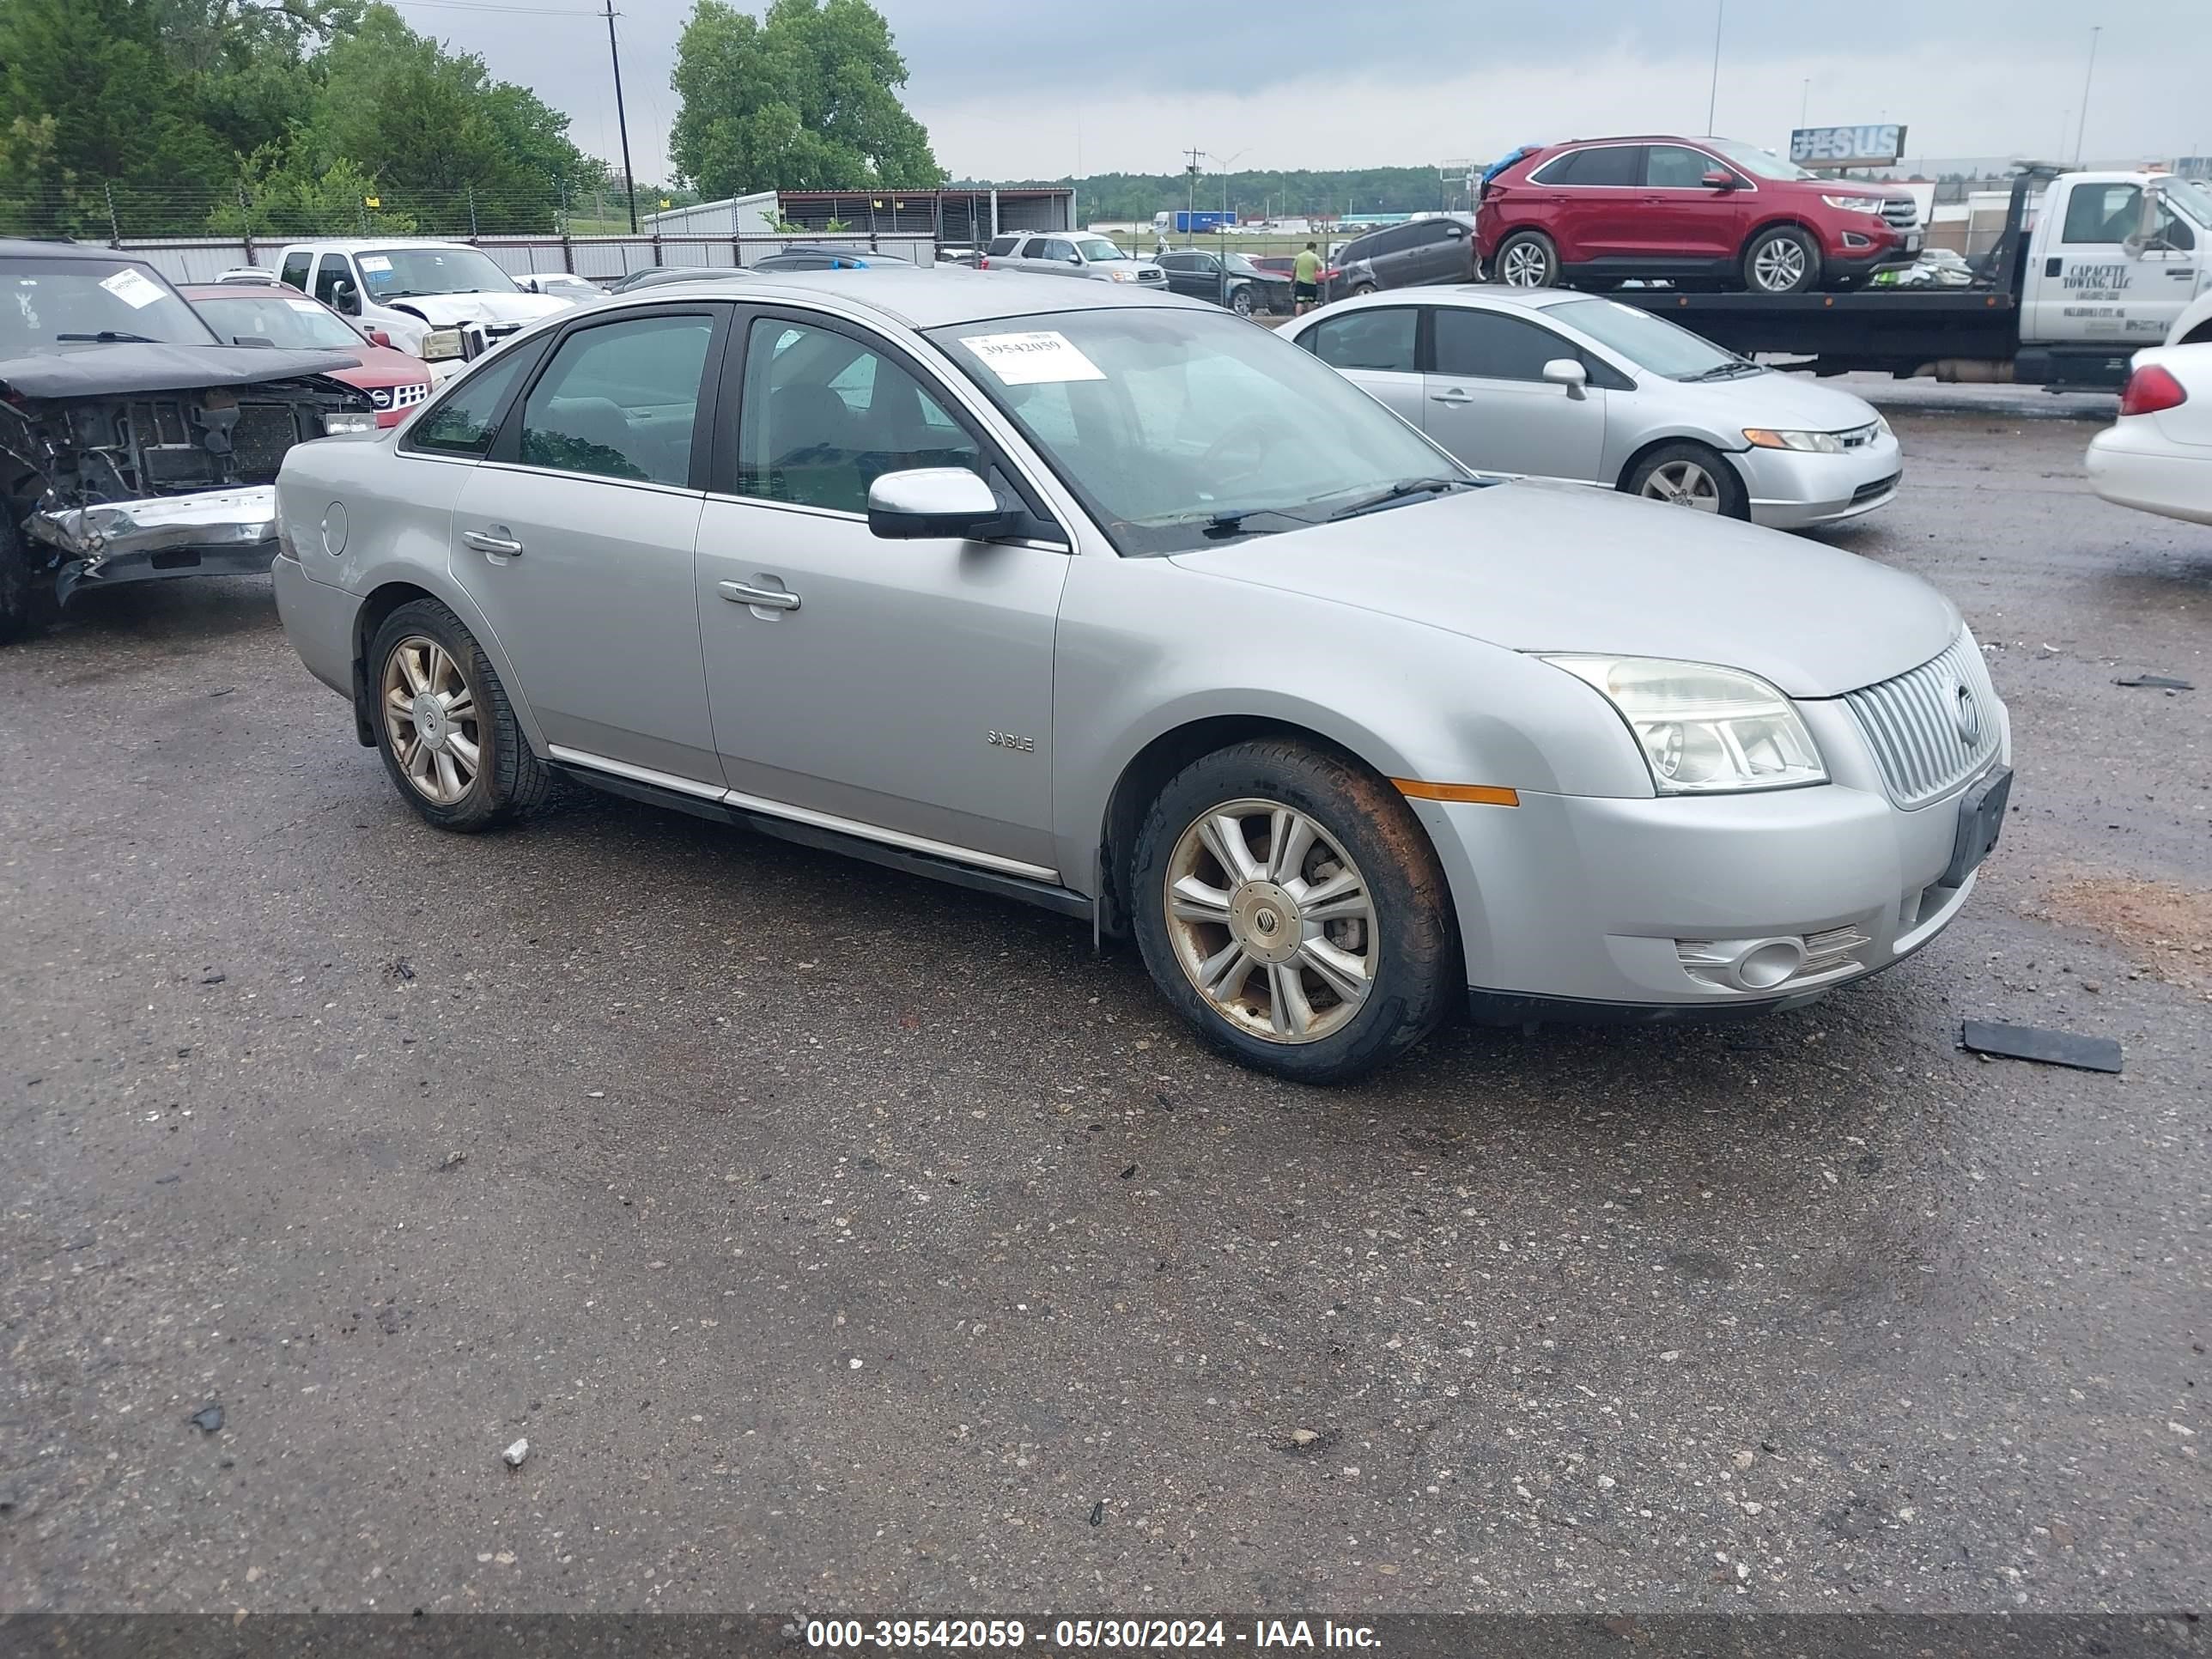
(2157, 683)
(208, 1419)
(2086, 1054)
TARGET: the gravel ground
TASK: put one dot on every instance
(842, 1241)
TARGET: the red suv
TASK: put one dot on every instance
(1597, 210)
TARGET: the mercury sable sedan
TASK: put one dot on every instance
(1107, 600)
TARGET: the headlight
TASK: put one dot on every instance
(1119, 276)
(440, 345)
(1705, 730)
(1810, 443)
(346, 422)
(1854, 203)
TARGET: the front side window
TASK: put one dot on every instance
(1648, 342)
(1671, 167)
(1486, 346)
(1095, 248)
(1759, 163)
(2102, 213)
(1181, 428)
(823, 415)
(1053, 248)
(333, 271)
(1380, 340)
(620, 401)
(47, 301)
(465, 420)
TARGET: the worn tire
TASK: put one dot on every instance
(1734, 502)
(510, 779)
(20, 610)
(1775, 236)
(1240, 300)
(1527, 258)
(1417, 977)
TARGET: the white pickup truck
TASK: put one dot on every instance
(2105, 264)
(410, 289)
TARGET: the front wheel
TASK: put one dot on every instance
(1527, 259)
(1289, 906)
(1239, 301)
(444, 725)
(1689, 475)
(1782, 260)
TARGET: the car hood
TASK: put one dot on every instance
(443, 310)
(1549, 567)
(92, 370)
(1788, 402)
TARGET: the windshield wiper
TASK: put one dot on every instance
(109, 337)
(1727, 371)
(1224, 525)
(1404, 491)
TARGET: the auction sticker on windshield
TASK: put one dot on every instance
(305, 308)
(133, 287)
(1043, 358)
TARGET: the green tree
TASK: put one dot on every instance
(806, 98)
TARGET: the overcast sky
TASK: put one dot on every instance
(1021, 88)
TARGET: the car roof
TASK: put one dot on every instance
(358, 244)
(1476, 293)
(242, 291)
(926, 298)
(21, 247)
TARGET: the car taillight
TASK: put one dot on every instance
(2150, 389)
(1331, 274)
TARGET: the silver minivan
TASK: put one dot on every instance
(1112, 603)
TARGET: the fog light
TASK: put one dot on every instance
(1853, 238)
(1767, 965)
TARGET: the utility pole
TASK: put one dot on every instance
(622, 121)
(1713, 98)
(1190, 212)
(2079, 130)
(1804, 100)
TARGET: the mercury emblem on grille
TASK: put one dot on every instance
(1969, 713)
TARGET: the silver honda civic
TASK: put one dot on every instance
(1111, 602)
(1547, 383)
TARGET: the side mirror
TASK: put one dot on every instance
(1455, 229)
(1719, 179)
(930, 501)
(1075, 258)
(1566, 372)
(345, 297)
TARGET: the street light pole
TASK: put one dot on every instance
(2090, 75)
(1713, 98)
(1804, 100)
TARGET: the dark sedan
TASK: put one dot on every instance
(1226, 279)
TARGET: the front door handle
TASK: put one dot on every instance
(505, 547)
(1454, 395)
(771, 599)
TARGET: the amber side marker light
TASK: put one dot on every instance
(1479, 794)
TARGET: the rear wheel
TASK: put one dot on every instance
(1289, 906)
(1527, 259)
(1783, 259)
(443, 723)
(1689, 475)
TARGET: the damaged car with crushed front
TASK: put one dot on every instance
(135, 443)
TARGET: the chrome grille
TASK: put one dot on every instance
(1933, 727)
(406, 396)
(1900, 212)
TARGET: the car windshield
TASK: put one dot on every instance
(1178, 429)
(1095, 248)
(1648, 342)
(1759, 163)
(2195, 201)
(393, 272)
(47, 302)
(295, 324)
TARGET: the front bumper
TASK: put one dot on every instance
(1887, 250)
(213, 533)
(1791, 490)
(1579, 907)
(2129, 466)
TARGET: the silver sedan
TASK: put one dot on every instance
(1111, 602)
(1548, 383)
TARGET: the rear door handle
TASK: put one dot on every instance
(769, 599)
(1454, 395)
(505, 547)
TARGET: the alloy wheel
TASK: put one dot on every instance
(430, 712)
(1684, 483)
(1525, 265)
(1271, 920)
(1779, 267)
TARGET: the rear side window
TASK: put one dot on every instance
(465, 422)
(1484, 345)
(296, 270)
(1379, 340)
(1608, 164)
(619, 401)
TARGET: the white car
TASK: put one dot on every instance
(2157, 457)
(563, 285)
(1548, 383)
(411, 288)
